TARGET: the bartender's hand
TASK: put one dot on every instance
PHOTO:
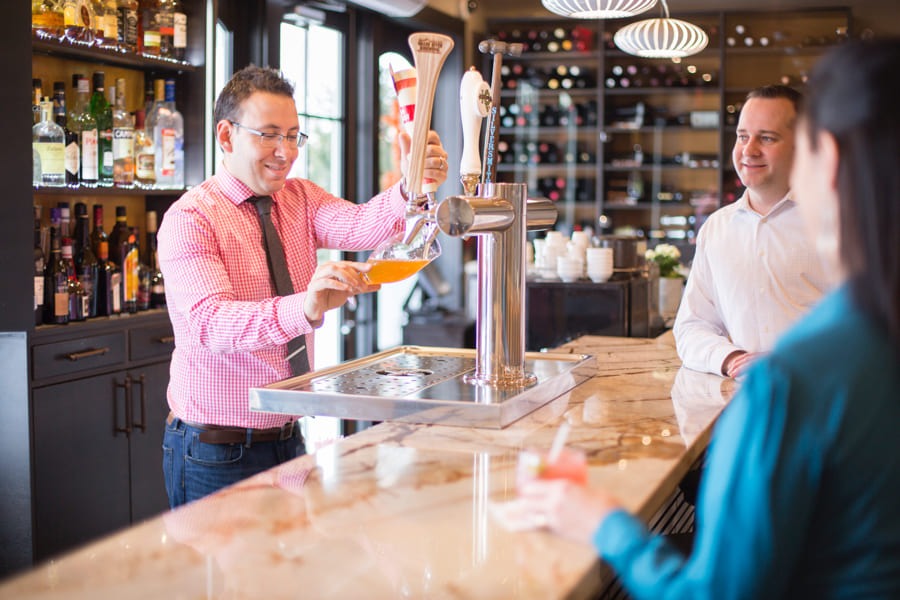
(435, 157)
(571, 510)
(737, 363)
(333, 283)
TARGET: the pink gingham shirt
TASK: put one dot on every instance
(230, 329)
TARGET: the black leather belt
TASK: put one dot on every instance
(218, 434)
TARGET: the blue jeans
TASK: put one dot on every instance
(194, 469)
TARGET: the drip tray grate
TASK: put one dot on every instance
(421, 385)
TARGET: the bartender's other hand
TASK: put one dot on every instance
(333, 283)
(571, 510)
(737, 363)
(436, 164)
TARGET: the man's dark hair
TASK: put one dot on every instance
(771, 92)
(243, 84)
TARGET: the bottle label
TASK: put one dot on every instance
(72, 158)
(115, 291)
(52, 156)
(180, 35)
(123, 155)
(167, 146)
(61, 304)
(89, 165)
(127, 22)
(38, 290)
(151, 42)
(130, 270)
(146, 167)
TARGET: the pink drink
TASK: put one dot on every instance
(571, 464)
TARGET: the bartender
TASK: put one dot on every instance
(243, 288)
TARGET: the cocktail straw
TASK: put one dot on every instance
(558, 442)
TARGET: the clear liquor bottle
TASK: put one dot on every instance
(83, 123)
(168, 138)
(48, 140)
(123, 140)
(144, 153)
(72, 151)
(102, 112)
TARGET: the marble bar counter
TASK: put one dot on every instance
(404, 511)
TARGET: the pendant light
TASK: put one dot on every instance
(661, 38)
(598, 9)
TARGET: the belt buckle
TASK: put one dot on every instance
(287, 430)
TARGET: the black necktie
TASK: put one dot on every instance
(296, 356)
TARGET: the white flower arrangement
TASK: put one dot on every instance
(667, 257)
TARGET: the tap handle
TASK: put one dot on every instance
(429, 50)
(474, 105)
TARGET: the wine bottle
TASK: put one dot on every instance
(109, 284)
(157, 282)
(72, 153)
(56, 283)
(39, 268)
(86, 264)
(77, 304)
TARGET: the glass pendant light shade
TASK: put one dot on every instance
(661, 38)
(598, 9)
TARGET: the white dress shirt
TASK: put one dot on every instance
(752, 277)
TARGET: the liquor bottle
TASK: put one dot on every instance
(83, 123)
(102, 113)
(39, 268)
(98, 236)
(110, 23)
(144, 153)
(48, 141)
(56, 284)
(166, 28)
(47, 18)
(63, 221)
(179, 36)
(149, 34)
(77, 302)
(72, 155)
(109, 283)
(127, 24)
(124, 254)
(86, 264)
(36, 98)
(123, 140)
(168, 140)
(143, 292)
(157, 282)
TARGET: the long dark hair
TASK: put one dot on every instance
(853, 93)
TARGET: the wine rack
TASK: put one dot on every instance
(643, 145)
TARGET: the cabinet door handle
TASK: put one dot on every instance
(167, 339)
(142, 425)
(86, 353)
(126, 388)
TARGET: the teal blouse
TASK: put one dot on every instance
(801, 493)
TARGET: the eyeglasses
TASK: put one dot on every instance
(270, 140)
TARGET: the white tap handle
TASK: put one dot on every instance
(474, 105)
(429, 50)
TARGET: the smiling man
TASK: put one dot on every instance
(243, 287)
(755, 272)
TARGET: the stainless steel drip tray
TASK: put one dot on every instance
(421, 385)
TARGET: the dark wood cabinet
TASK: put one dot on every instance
(97, 461)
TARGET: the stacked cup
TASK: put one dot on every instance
(599, 264)
(554, 248)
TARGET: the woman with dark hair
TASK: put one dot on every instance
(800, 496)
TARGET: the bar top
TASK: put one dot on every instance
(403, 510)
